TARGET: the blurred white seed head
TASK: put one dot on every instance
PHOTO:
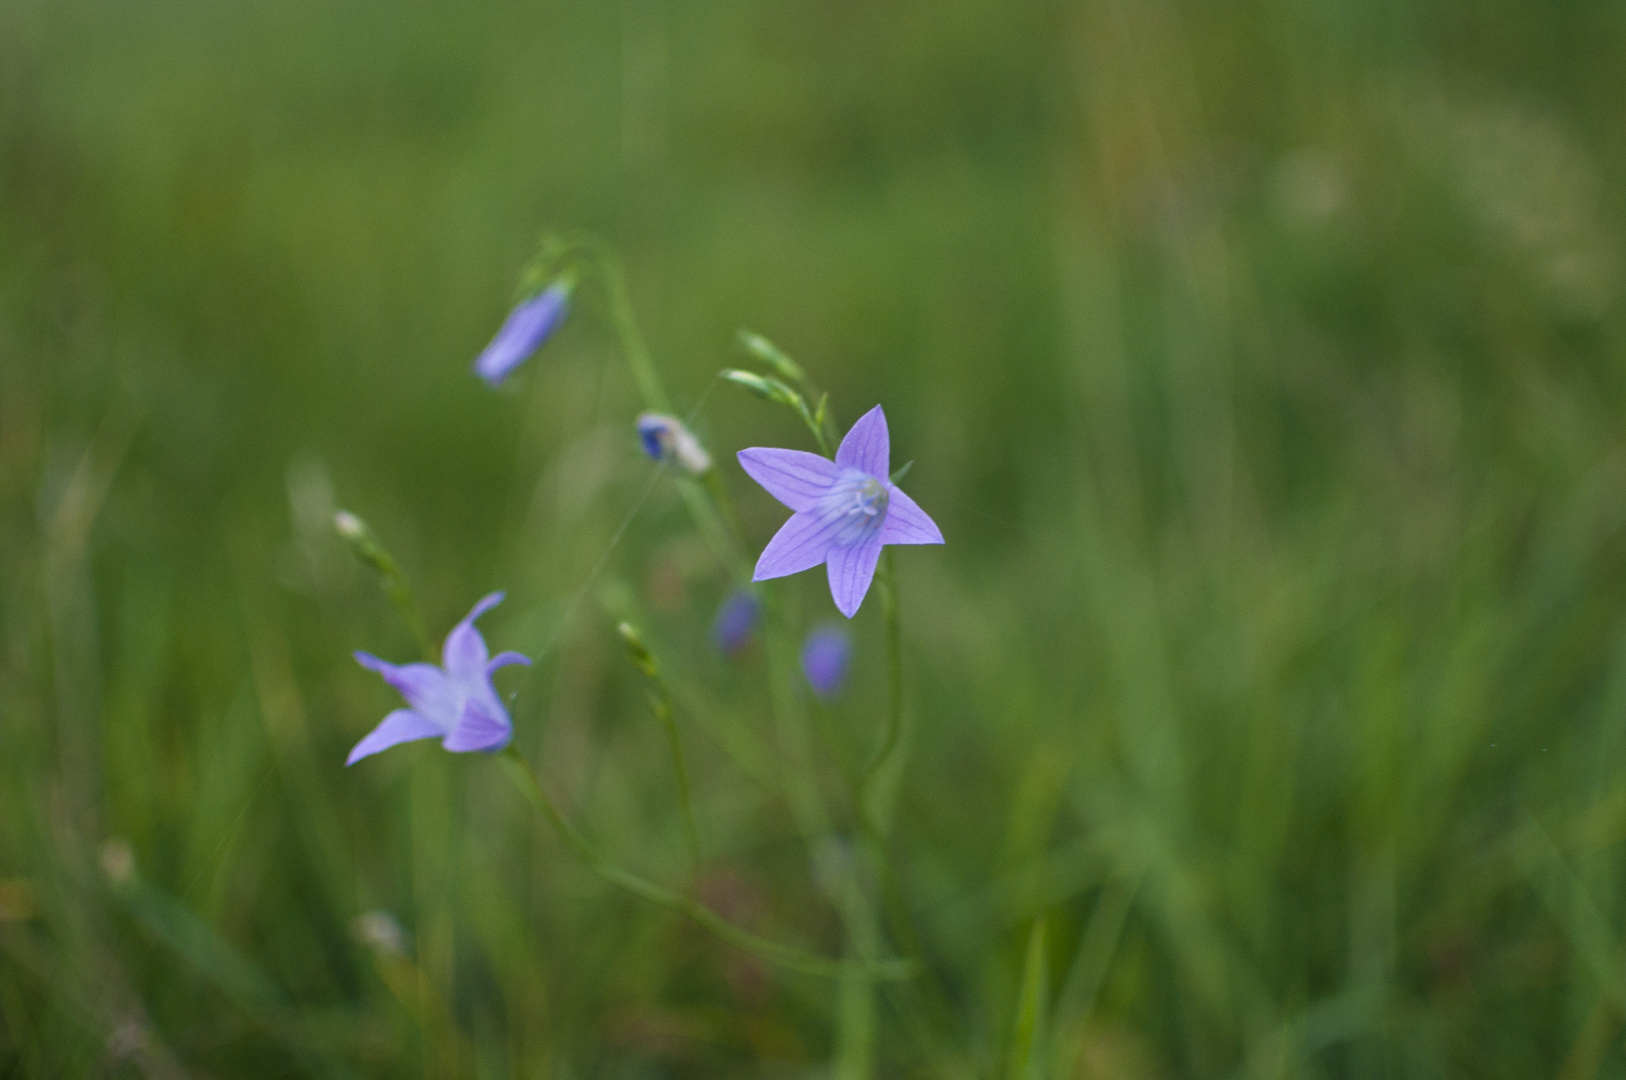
(349, 526)
(118, 861)
(126, 1039)
(379, 930)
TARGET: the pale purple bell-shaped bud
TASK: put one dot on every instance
(525, 330)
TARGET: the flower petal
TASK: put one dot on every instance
(801, 543)
(425, 687)
(402, 725)
(867, 446)
(851, 571)
(483, 725)
(794, 477)
(907, 523)
(464, 654)
(503, 659)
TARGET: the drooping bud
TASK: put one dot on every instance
(525, 330)
(664, 438)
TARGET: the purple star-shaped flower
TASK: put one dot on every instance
(454, 703)
(846, 510)
(525, 330)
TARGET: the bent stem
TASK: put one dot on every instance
(612, 275)
(785, 956)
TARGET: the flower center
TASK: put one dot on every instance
(856, 506)
(869, 499)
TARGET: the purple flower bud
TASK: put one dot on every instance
(525, 330)
(735, 621)
(825, 658)
(665, 438)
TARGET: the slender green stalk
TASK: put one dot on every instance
(721, 534)
(1027, 1059)
(660, 703)
(612, 275)
(855, 997)
(725, 505)
(892, 723)
(366, 547)
(785, 956)
(923, 1003)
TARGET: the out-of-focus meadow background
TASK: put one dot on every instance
(1262, 362)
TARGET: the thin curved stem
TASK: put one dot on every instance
(612, 275)
(785, 956)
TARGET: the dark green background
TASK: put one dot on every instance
(1262, 363)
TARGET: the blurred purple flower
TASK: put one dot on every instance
(735, 620)
(845, 510)
(527, 327)
(824, 660)
(454, 703)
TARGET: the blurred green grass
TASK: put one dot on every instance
(1261, 362)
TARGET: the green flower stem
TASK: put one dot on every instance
(717, 523)
(661, 702)
(855, 998)
(924, 1003)
(785, 956)
(725, 508)
(366, 547)
(613, 276)
(713, 523)
(892, 723)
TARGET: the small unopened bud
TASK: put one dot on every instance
(118, 862)
(664, 438)
(641, 656)
(355, 532)
(770, 354)
(379, 930)
(350, 526)
(825, 658)
(766, 387)
(735, 621)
